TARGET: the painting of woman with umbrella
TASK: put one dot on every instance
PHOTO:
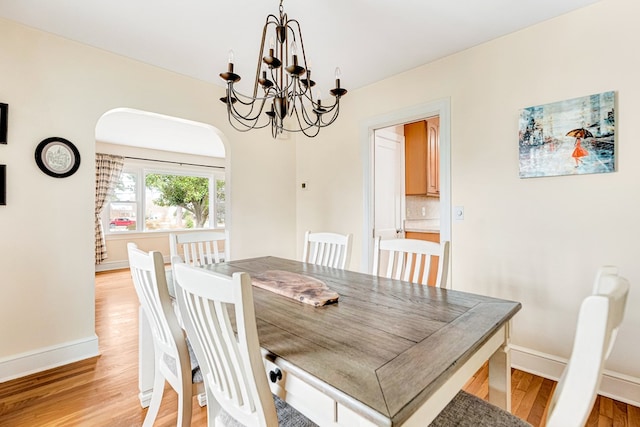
(579, 151)
(570, 137)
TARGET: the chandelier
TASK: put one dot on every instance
(282, 89)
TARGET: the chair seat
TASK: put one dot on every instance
(196, 373)
(467, 410)
(288, 416)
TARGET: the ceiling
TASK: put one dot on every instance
(144, 129)
(369, 39)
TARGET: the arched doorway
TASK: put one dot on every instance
(161, 142)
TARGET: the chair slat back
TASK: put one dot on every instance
(231, 363)
(200, 248)
(327, 249)
(598, 321)
(149, 279)
(411, 260)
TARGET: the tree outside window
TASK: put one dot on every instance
(188, 195)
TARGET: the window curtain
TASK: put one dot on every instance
(108, 169)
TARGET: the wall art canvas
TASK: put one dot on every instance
(570, 137)
(4, 122)
(3, 185)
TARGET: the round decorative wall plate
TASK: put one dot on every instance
(57, 157)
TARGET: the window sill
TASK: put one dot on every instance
(128, 235)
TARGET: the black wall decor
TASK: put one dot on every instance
(3, 185)
(57, 157)
(4, 121)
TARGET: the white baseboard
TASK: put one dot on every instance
(118, 265)
(114, 265)
(621, 387)
(24, 364)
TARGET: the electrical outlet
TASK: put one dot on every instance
(424, 211)
(304, 186)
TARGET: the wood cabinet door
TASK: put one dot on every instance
(415, 154)
(433, 156)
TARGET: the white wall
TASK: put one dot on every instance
(538, 241)
(55, 87)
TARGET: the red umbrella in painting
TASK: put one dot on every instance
(580, 133)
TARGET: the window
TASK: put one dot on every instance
(123, 205)
(151, 196)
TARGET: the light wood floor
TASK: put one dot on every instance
(103, 391)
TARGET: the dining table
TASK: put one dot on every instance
(385, 353)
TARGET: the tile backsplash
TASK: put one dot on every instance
(416, 205)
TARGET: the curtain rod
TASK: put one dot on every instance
(175, 163)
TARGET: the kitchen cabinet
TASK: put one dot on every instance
(422, 158)
(431, 237)
(415, 155)
(433, 156)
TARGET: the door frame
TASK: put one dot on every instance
(441, 108)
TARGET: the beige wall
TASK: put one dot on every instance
(538, 241)
(55, 87)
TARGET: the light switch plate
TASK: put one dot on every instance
(458, 213)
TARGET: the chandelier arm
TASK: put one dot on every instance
(306, 119)
(305, 92)
(247, 125)
(304, 129)
(240, 97)
(319, 122)
(314, 105)
(278, 88)
(247, 116)
(317, 125)
(306, 116)
(336, 107)
(284, 53)
(246, 128)
(261, 51)
(231, 106)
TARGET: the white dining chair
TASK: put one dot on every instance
(327, 249)
(198, 249)
(231, 362)
(201, 247)
(572, 401)
(173, 361)
(411, 260)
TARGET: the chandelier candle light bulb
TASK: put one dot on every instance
(231, 55)
(284, 92)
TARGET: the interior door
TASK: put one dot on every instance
(388, 184)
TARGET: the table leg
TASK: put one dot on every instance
(500, 374)
(146, 359)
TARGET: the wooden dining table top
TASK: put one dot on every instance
(385, 346)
